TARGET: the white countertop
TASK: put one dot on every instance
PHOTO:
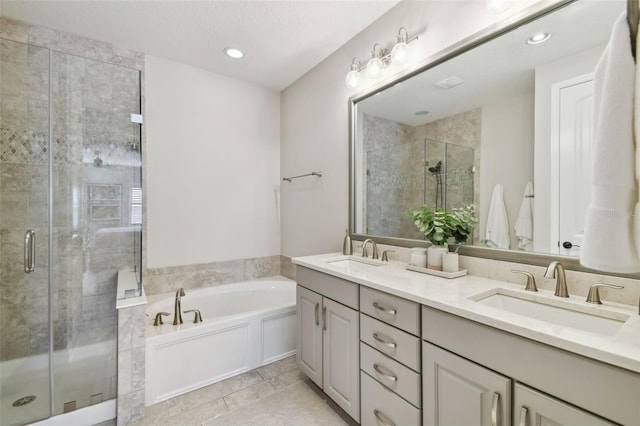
(453, 296)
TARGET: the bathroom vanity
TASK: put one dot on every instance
(396, 347)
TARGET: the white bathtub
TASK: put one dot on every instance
(245, 325)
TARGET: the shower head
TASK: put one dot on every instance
(437, 168)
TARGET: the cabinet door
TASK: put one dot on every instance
(459, 392)
(309, 333)
(341, 348)
(533, 408)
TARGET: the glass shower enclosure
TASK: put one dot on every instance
(70, 219)
(409, 174)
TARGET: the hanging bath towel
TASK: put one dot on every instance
(497, 233)
(524, 224)
(608, 243)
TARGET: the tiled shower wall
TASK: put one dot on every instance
(395, 168)
(96, 161)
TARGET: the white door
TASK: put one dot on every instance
(572, 133)
(459, 392)
(341, 356)
(309, 333)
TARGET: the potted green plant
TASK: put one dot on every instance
(438, 226)
(465, 220)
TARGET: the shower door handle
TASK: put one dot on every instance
(30, 251)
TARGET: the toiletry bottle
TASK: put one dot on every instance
(347, 247)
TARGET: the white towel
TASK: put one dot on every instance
(524, 224)
(608, 243)
(636, 121)
(497, 233)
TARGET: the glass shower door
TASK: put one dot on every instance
(96, 203)
(24, 233)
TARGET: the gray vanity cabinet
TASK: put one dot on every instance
(536, 408)
(459, 392)
(309, 334)
(555, 386)
(389, 359)
(327, 341)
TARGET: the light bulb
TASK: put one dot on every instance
(374, 67)
(353, 79)
(400, 53)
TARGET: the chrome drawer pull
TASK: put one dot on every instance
(494, 409)
(385, 342)
(523, 416)
(324, 318)
(384, 310)
(316, 313)
(383, 374)
(383, 419)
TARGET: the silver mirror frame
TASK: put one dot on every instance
(483, 36)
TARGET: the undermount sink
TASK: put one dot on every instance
(355, 264)
(558, 312)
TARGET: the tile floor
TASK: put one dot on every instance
(276, 394)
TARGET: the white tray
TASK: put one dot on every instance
(460, 273)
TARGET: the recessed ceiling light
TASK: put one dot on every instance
(233, 53)
(538, 38)
(423, 112)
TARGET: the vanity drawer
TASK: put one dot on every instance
(389, 407)
(395, 343)
(340, 290)
(395, 376)
(394, 310)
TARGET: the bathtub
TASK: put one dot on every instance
(245, 325)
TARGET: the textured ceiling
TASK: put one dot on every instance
(281, 40)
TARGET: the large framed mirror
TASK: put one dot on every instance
(500, 116)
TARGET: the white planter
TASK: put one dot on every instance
(419, 257)
(434, 257)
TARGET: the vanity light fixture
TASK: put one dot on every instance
(538, 38)
(380, 59)
(353, 76)
(234, 53)
(400, 52)
(375, 66)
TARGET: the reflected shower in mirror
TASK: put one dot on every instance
(507, 112)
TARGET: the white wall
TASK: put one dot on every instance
(314, 111)
(506, 154)
(212, 160)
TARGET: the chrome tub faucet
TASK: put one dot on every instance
(177, 307)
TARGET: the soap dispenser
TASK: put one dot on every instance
(347, 247)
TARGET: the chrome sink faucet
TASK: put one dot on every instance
(177, 307)
(374, 252)
(556, 270)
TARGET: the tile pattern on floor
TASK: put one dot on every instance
(277, 394)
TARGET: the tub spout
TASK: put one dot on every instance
(177, 309)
